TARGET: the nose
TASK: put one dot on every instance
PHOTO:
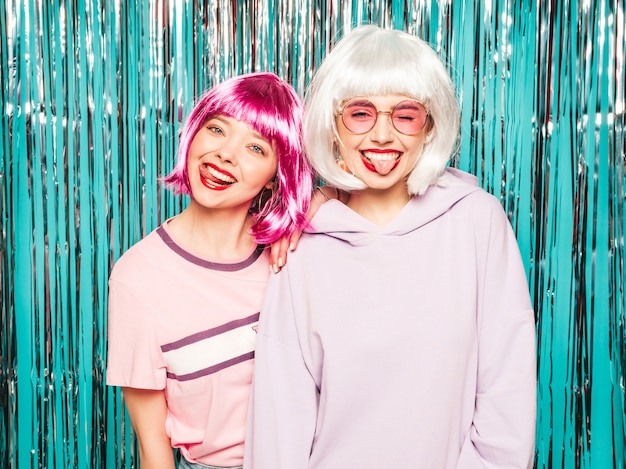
(228, 152)
(383, 128)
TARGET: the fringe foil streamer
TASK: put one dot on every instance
(93, 94)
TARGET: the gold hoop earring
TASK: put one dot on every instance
(342, 165)
(261, 200)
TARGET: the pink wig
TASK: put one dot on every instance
(271, 107)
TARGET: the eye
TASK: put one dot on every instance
(257, 149)
(361, 114)
(405, 117)
(406, 114)
(360, 110)
(215, 129)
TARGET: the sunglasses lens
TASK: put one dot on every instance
(408, 117)
(359, 116)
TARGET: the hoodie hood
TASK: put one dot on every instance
(337, 220)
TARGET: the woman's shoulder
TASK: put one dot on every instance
(141, 256)
(474, 195)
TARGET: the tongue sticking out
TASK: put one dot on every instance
(212, 179)
(384, 167)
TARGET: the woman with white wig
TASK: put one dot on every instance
(401, 332)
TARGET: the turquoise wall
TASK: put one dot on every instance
(93, 94)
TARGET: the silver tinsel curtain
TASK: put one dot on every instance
(93, 95)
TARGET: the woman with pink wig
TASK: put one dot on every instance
(184, 302)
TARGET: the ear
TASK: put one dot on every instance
(431, 132)
(270, 185)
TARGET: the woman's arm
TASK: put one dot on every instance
(283, 410)
(503, 430)
(148, 409)
(280, 248)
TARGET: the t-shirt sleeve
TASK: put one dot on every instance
(134, 357)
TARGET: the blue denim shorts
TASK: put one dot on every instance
(184, 464)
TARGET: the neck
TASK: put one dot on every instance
(379, 206)
(213, 233)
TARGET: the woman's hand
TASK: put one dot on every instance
(280, 248)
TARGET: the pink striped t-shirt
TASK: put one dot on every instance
(188, 325)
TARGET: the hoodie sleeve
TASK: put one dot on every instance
(503, 428)
(283, 407)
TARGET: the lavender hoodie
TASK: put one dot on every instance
(405, 346)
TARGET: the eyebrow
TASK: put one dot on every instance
(361, 102)
(409, 104)
(255, 134)
(217, 118)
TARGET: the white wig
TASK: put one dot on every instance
(374, 61)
